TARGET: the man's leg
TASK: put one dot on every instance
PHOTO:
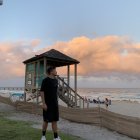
(55, 129)
(44, 128)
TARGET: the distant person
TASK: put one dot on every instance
(106, 103)
(98, 100)
(94, 101)
(49, 98)
(109, 102)
(85, 99)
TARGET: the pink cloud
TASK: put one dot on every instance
(99, 56)
(106, 54)
(35, 42)
(12, 54)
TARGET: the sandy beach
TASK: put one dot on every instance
(87, 132)
(127, 108)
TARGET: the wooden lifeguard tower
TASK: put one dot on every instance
(36, 71)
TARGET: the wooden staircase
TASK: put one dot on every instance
(65, 97)
(68, 95)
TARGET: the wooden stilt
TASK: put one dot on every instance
(75, 83)
(34, 78)
(25, 83)
(68, 74)
(45, 66)
(83, 104)
(38, 77)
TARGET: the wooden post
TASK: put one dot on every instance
(25, 83)
(63, 86)
(80, 102)
(75, 83)
(34, 74)
(38, 77)
(38, 72)
(87, 104)
(68, 75)
(68, 78)
(45, 66)
(83, 103)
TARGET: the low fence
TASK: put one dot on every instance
(89, 116)
(126, 125)
(6, 101)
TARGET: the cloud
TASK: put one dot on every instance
(12, 54)
(35, 42)
(103, 56)
(100, 57)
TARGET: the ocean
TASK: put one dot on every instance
(119, 94)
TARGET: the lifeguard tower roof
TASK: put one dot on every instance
(54, 57)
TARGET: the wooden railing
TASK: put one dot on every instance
(70, 93)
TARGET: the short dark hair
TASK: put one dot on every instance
(50, 69)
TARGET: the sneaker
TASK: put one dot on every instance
(43, 138)
(57, 138)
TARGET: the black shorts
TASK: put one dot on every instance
(52, 113)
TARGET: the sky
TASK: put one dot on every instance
(102, 34)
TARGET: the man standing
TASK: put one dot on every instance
(49, 98)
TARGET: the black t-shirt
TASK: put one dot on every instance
(49, 87)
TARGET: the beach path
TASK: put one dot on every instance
(87, 132)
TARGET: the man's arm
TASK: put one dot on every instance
(43, 100)
(42, 96)
(44, 106)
